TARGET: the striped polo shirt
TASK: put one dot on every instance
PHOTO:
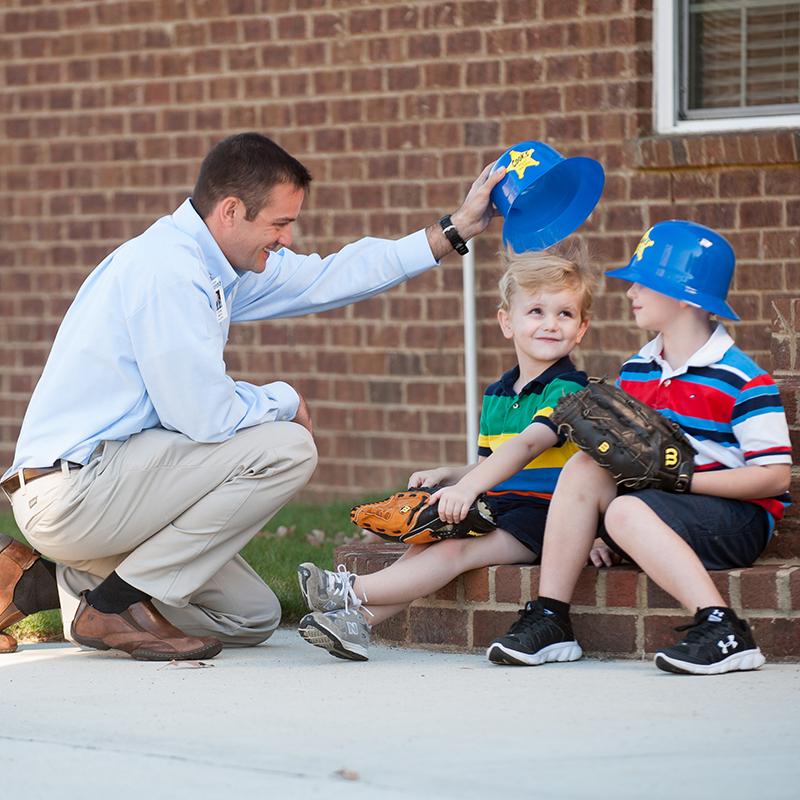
(728, 407)
(505, 413)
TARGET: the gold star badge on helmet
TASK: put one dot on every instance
(520, 161)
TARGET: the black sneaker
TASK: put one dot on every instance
(538, 636)
(717, 641)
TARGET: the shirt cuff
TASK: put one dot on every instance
(285, 398)
(415, 254)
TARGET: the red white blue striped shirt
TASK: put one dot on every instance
(728, 407)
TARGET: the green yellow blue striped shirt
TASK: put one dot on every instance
(505, 413)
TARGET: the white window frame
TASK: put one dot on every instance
(665, 83)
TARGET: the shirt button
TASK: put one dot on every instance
(516, 405)
(667, 382)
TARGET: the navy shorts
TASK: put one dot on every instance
(524, 521)
(724, 533)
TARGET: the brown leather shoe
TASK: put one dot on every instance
(15, 559)
(141, 631)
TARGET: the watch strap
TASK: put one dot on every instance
(453, 236)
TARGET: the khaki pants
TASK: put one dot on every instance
(170, 516)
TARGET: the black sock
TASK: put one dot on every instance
(555, 606)
(114, 595)
(37, 589)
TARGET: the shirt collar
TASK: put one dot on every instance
(508, 379)
(187, 219)
(712, 351)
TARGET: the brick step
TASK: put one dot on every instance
(617, 612)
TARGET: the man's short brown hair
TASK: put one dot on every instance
(247, 166)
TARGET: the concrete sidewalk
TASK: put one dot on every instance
(286, 720)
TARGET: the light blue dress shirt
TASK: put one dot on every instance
(142, 344)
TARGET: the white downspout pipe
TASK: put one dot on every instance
(470, 356)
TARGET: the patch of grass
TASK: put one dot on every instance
(299, 532)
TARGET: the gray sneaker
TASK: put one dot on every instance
(344, 633)
(324, 590)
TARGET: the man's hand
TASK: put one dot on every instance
(303, 417)
(476, 211)
(472, 217)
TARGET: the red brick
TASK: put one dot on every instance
(508, 583)
(763, 214)
(658, 598)
(488, 625)
(448, 592)
(758, 588)
(621, 587)
(777, 637)
(585, 593)
(660, 631)
(605, 633)
(438, 626)
(721, 580)
(394, 629)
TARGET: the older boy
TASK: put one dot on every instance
(545, 301)
(731, 411)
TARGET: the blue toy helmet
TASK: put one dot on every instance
(685, 261)
(544, 197)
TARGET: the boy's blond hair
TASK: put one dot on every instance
(553, 269)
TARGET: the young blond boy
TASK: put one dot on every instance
(545, 302)
(731, 411)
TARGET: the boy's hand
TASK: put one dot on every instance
(454, 502)
(602, 555)
(429, 477)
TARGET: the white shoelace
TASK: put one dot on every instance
(351, 599)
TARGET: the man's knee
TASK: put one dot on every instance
(307, 452)
(256, 628)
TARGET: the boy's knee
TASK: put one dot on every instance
(582, 465)
(621, 516)
(451, 549)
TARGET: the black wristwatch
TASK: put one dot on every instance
(453, 236)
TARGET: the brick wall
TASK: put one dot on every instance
(107, 108)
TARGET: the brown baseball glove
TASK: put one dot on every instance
(641, 448)
(406, 517)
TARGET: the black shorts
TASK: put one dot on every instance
(724, 533)
(524, 521)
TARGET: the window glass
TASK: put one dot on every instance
(739, 57)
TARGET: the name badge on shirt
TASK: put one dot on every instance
(219, 299)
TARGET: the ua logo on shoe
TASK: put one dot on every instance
(716, 616)
(731, 644)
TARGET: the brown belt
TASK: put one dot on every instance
(11, 483)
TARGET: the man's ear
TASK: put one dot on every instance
(227, 210)
(505, 323)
